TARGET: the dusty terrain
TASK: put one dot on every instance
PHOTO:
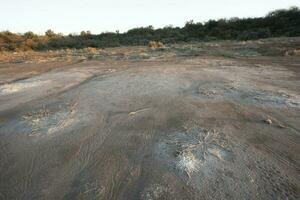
(193, 121)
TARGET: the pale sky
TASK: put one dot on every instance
(72, 16)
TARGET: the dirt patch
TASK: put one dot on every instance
(233, 91)
(45, 121)
(156, 191)
(189, 122)
(20, 86)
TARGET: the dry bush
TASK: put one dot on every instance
(156, 45)
(90, 50)
(69, 51)
(160, 45)
(152, 44)
(295, 52)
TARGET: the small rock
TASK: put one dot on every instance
(177, 153)
(268, 121)
(281, 126)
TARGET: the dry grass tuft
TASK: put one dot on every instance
(188, 163)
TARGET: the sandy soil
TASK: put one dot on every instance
(200, 127)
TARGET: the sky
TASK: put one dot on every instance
(73, 16)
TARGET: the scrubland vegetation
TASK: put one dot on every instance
(279, 23)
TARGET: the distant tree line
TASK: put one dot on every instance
(283, 22)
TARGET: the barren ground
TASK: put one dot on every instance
(196, 121)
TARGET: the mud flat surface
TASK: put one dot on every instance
(200, 127)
